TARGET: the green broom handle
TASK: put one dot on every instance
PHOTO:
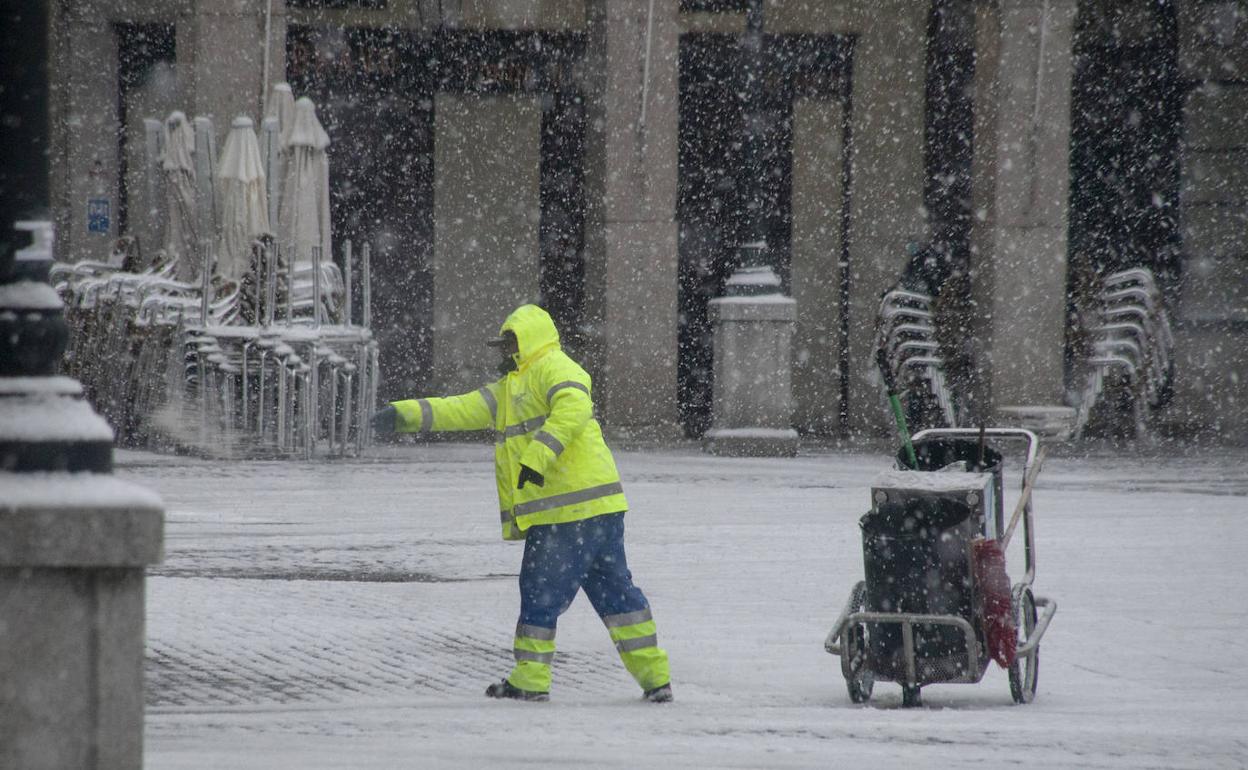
(890, 386)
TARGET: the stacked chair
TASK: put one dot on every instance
(224, 367)
(229, 342)
(906, 332)
(1129, 366)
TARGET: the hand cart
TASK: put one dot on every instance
(922, 614)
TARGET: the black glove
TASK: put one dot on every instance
(386, 421)
(530, 476)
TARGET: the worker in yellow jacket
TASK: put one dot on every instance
(560, 492)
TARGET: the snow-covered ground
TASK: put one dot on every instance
(349, 615)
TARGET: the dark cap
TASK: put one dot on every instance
(501, 340)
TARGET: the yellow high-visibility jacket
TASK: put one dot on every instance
(542, 415)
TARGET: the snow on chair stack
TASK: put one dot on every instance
(906, 332)
(1129, 365)
(242, 341)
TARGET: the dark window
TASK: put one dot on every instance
(140, 47)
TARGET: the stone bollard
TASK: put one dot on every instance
(753, 393)
(74, 543)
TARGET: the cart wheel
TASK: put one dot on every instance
(911, 696)
(859, 679)
(1025, 671)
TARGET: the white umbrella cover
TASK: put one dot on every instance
(177, 164)
(281, 104)
(278, 117)
(305, 190)
(244, 205)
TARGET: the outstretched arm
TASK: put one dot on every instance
(470, 411)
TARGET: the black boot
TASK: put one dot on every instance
(659, 694)
(505, 689)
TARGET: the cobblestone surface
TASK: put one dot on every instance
(350, 614)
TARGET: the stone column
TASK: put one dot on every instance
(753, 401)
(220, 53)
(630, 239)
(74, 542)
(1021, 187)
(82, 80)
(486, 206)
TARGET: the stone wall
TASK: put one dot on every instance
(1020, 176)
(1211, 317)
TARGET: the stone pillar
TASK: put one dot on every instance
(753, 394)
(220, 53)
(74, 543)
(1021, 187)
(82, 80)
(887, 176)
(1210, 319)
(818, 195)
(630, 240)
(486, 206)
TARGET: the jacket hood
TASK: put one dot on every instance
(534, 330)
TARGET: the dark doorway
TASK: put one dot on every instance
(140, 48)
(949, 129)
(375, 90)
(949, 125)
(24, 107)
(1126, 124)
(711, 182)
(1126, 120)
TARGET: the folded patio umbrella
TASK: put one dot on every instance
(304, 220)
(177, 164)
(244, 204)
(305, 189)
(279, 114)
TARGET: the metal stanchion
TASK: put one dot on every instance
(316, 287)
(290, 287)
(367, 279)
(346, 283)
(272, 254)
(205, 281)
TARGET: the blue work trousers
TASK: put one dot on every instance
(560, 559)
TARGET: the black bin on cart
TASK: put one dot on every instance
(917, 553)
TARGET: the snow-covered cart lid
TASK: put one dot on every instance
(932, 481)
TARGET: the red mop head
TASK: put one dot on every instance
(994, 587)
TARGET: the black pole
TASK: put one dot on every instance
(753, 249)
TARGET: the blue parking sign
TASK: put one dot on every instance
(97, 215)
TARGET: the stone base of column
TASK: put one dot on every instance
(750, 442)
(1055, 422)
(73, 550)
(753, 394)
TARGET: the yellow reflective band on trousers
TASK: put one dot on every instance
(533, 657)
(639, 649)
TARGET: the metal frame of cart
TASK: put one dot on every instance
(1032, 614)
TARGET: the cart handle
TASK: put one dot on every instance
(833, 643)
(1048, 608)
(1030, 468)
(1029, 483)
(1033, 441)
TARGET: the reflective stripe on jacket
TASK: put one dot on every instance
(542, 415)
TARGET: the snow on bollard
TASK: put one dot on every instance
(74, 543)
(753, 398)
